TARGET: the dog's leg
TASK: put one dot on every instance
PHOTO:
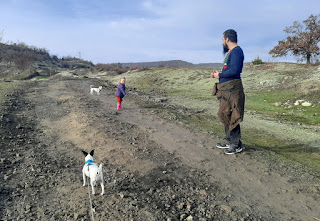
(102, 187)
(102, 181)
(92, 185)
(84, 178)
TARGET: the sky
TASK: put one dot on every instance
(122, 31)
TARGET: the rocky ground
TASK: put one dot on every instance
(153, 169)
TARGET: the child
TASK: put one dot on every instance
(121, 92)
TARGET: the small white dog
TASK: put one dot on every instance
(91, 170)
(96, 89)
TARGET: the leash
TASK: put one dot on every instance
(88, 180)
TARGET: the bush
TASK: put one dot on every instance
(113, 69)
(257, 61)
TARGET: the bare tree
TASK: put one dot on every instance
(303, 40)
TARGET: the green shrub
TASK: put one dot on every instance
(257, 61)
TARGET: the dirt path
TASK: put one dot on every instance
(153, 169)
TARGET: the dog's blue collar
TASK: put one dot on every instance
(89, 162)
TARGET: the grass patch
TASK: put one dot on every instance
(42, 77)
(286, 149)
(6, 88)
(18, 76)
(264, 103)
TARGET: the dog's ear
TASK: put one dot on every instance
(84, 152)
(92, 152)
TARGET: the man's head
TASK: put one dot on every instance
(229, 36)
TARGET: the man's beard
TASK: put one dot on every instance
(225, 48)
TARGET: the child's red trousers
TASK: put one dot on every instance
(119, 99)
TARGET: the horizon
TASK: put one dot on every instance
(149, 31)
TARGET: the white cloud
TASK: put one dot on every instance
(111, 31)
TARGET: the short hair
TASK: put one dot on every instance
(231, 34)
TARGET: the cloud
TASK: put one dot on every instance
(148, 30)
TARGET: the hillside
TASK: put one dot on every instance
(172, 63)
(28, 60)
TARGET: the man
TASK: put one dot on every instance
(230, 92)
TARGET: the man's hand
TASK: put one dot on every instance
(215, 74)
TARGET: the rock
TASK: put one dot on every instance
(298, 102)
(76, 215)
(277, 104)
(180, 206)
(9, 212)
(6, 177)
(121, 195)
(306, 104)
(182, 216)
(190, 218)
(203, 193)
(188, 206)
(28, 207)
(226, 208)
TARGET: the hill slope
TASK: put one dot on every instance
(172, 63)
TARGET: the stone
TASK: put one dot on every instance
(180, 206)
(190, 218)
(277, 104)
(298, 102)
(203, 193)
(182, 216)
(306, 104)
(226, 208)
